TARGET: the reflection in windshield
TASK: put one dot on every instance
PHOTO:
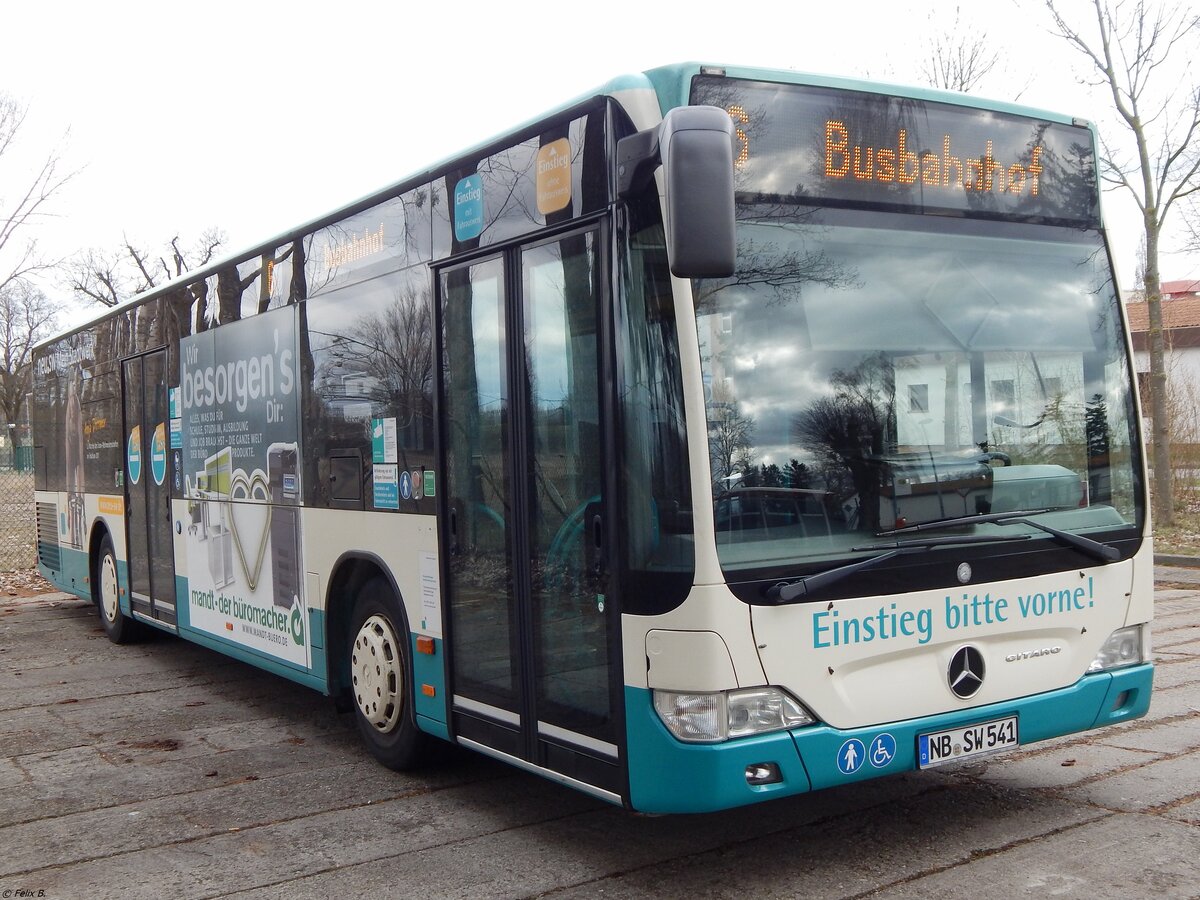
(907, 373)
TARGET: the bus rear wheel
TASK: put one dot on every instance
(120, 628)
(380, 679)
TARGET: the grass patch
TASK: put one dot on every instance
(1183, 537)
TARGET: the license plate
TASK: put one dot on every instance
(970, 742)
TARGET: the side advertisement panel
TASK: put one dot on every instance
(240, 435)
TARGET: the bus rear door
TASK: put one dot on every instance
(150, 549)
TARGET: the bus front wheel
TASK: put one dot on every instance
(120, 628)
(380, 678)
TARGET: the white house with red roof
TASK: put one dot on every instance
(1181, 329)
(1180, 290)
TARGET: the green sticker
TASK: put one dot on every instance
(428, 487)
(297, 626)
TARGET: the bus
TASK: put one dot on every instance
(723, 435)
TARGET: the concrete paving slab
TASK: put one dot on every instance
(166, 769)
(1177, 649)
(46, 687)
(558, 853)
(840, 856)
(1172, 702)
(1060, 765)
(1188, 812)
(69, 782)
(12, 775)
(1168, 633)
(1171, 736)
(222, 808)
(140, 716)
(1170, 602)
(271, 853)
(1117, 857)
(41, 622)
(1146, 787)
(1175, 673)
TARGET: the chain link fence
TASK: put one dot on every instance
(18, 525)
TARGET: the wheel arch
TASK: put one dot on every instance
(100, 531)
(351, 571)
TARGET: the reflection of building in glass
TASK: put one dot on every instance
(1020, 391)
(913, 379)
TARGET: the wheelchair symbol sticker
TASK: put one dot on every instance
(883, 750)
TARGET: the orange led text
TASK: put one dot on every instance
(902, 164)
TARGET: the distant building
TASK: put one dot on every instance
(1170, 290)
(1180, 290)
(1181, 333)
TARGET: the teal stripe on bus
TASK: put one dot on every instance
(72, 575)
(429, 670)
(314, 677)
(1080, 707)
(669, 776)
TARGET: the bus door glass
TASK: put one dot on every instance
(148, 504)
(531, 647)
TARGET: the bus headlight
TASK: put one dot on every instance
(1124, 647)
(709, 718)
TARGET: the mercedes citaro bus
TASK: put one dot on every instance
(722, 435)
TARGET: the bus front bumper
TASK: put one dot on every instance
(669, 776)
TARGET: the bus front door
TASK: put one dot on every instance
(532, 638)
(148, 542)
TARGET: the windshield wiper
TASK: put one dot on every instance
(937, 524)
(790, 591)
(1105, 553)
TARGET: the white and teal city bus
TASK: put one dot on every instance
(720, 436)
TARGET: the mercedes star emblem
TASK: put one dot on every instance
(965, 674)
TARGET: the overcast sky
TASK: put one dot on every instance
(256, 117)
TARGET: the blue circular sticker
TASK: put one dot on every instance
(851, 756)
(883, 750)
(133, 454)
(158, 453)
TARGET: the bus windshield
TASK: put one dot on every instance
(865, 372)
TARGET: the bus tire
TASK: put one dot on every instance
(381, 678)
(120, 628)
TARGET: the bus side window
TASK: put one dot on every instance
(659, 555)
(371, 348)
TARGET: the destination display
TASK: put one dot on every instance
(843, 147)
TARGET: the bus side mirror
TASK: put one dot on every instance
(694, 145)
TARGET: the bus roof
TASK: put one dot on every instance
(671, 84)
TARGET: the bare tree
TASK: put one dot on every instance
(1191, 220)
(1127, 46)
(26, 317)
(849, 430)
(23, 198)
(730, 441)
(109, 277)
(958, 61)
